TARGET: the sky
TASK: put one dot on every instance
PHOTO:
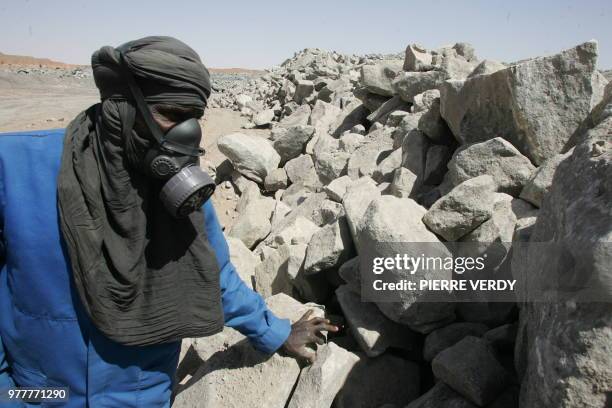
(260, 34)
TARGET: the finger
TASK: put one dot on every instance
(305, 316)
(325, 327)
(318, 320)
(319, 339)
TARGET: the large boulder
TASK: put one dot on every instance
(253, 225)
(495, 157)
(290, 142)
(392, 226)
(251, 155)
(329, 247)
(377, 78)
(356, 199)
(319, 383)
(538, 185)
(463, 209)
(231, 363)
(243, 259)
(302, 170)
(299, 117)
(536, 105)
(471, 368)
(563, 346)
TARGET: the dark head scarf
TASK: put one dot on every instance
(143, 276)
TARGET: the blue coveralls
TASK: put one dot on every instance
(45, 337)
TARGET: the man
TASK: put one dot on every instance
(103, 267)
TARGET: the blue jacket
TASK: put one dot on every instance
(45, 337)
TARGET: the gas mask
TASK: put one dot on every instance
(174, 157)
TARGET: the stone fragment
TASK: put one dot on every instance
(377, 78)
(253, 224)
(502, 337)
(271, 274)
(276, 180)
(356, 200)
(263, 118)
(486, 67)
(463, 209)
(350, 142)
(536, 105)
(299, 117)
(409, 84)
(423, 101)
(377, 232)
(495, 157)
(403, 183)
(440, 396)
(471, 369)
(323, 116)
(291, 143)
(319, 383)
(302, 170)
(336, 189)
(329, 247)
(434, 127)
(303, 89)
(243, 259)
(539, 184)
(417, 58)
(373, 382)
(395, 104)
(253, 156)
(371, 329)
(414, 154)
(445, 337)
(387, 166)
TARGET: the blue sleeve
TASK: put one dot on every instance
(244, 309)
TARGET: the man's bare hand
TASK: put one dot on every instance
(304, 332)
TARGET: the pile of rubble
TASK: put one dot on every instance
(438, 146)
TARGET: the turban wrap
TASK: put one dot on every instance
(143, 276)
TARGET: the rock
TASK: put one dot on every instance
(377, 78)
(302, 170)
(441, 396)
(409, 84)
(329, 247)
(350, 142)
(373, 382)
(500, 227)
(243, 100)
(276, 180)
(465, 50)
(331, 164)
(295, 194)
(414, 154)
(323, 116)
(359, 129)
(423, 101)
(271, 274)
(377, 232)
(311, 288)
(445, 337)
(303, 89)
(253, 156)
(563, 345)
(299, 230)
(356, 200)
(487, 67)
(286, 307)
(495, 157)
(463, 209)
(299, 117)
(502, 337)
(309, 208)
(280, 210)
(508, 399)
(417, 58)
(243, 259)
(364, 161)
(329, 212)
(395, 118)
(264, 117)
(536, 105)
(436, 164)
(352, 115)
(371, 329)
(385, 169)
(250, 194)
(292, 142)
(489, 313)
(319, 383)
(408, 123)
(538, 185)
(336, 189)
(392, 105)
(471, 369)
(253, 224)
(403, 183)
(434, 127)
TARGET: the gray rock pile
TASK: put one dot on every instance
(427, 146)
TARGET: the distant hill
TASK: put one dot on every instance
(6, 59)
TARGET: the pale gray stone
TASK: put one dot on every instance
(329, 247)
(463, 209)
(336, 189)
(253, 225)
(445, 337)
(423, 101)
(253, 156)
(291, 143)
(377, 78)
(243, 259)
(263, 118)
(356, 200)
(403, 183)
(302, 170)
(417, 58)
(385, 170)
(487, 67)
(495, 157)
(299, 117)
(538, 185)
(409, 84)
(303, 89)
(276, 180)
